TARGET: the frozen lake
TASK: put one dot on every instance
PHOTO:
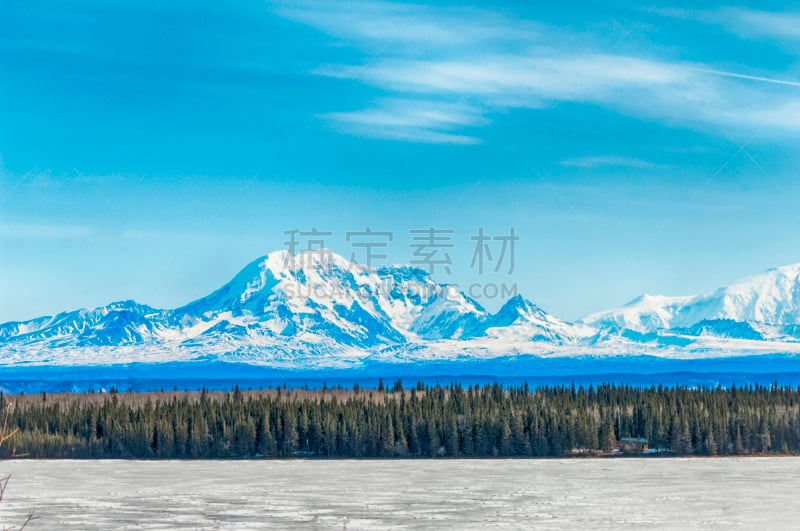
(720, 493)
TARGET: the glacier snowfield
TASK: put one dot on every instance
(624, 493)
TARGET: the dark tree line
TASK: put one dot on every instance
(440, 421)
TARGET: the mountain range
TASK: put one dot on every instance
(321, 310)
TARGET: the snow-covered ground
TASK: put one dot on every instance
(724, 493)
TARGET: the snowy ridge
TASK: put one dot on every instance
(645, 313)
(769, 298)
(320, 310)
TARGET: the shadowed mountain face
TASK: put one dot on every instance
(323, 308)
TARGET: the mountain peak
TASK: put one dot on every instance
(519, 306)
(516, 310)
(771, 297)
(315, 259)
(521, 319)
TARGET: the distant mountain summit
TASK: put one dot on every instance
(317, 309)
(771, 298)
(119, 323)
(520, 318)
(645, 313)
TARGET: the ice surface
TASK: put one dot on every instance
(625, 493)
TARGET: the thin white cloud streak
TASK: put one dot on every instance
(548, 77)
(755, 23)
(745, 76)
(744, 22)
(676, 93)
(419, 136)
(412, 24)
(786, 115)
(412, 120)
(47, 231)
(606, 161)
(762, 23)
(10, 230)
(541, 67)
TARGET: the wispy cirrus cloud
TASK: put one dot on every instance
(748, 77)
(751, 22)
(536, 79)
(680, 93)
(15, 230)
(484, 60)
(607, 161)
(416, 25)
(517, 79)
(412, 120)
(745, 22)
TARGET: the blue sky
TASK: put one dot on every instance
(151, 151)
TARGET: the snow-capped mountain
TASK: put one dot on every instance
(311, 294)
(119, 323)
(645, 313)
(325, 295)
(317, 309)
(287, 307)
(522, 319)
(766, 300)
